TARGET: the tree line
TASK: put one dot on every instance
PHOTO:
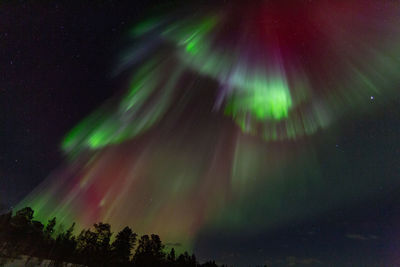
(21, 235)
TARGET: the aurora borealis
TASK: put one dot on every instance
(230, 118)
(283, 71)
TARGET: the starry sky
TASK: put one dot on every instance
(327, 194)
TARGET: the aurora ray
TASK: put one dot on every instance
(210, 94)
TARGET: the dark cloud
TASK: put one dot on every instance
(361, 237)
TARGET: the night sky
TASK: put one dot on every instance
(325, 195)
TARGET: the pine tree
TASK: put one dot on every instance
(171, 256)
(122, 246)
(49, 229)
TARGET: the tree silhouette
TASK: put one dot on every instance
(5, 222)
(22, 218)
(171, 257)
(122, 246)
(65, 246)
(20, 230)
(21, 235)
(6, 246)
(186, 260)
(49, 230)
(34, 241)
(102, 247)
(86, 247)
(149, 251)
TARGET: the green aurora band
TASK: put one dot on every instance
(216, 127)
